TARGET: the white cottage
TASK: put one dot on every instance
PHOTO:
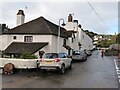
(42, 35)
(81, 40)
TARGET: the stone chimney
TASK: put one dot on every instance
(70, 18)
(20, 17)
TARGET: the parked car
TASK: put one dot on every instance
(55, 61)
(88, 52)
(79, 56)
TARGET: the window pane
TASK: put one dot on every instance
(28, 38)
(14, 37)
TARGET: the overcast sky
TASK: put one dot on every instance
(105, 23)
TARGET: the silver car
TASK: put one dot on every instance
(88, 52)
(79, 56)
(55, 61)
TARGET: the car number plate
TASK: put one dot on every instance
(48, 62)
(74, 56)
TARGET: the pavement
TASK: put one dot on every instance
(96, 72)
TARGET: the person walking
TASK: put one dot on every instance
(102, 53)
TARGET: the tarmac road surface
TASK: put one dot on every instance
(96, 72)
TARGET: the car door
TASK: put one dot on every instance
(67, 60)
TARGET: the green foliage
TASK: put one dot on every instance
(105, 43)
(108, 40)
(118, 38)
(111, 52)
(90, 33)
(28, 56)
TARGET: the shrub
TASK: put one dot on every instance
(28, 56)
(111, 52)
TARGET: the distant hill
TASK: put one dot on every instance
(90, 33)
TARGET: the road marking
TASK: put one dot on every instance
(116, 64)
(118, 73)
(119, 76)
(117, 70)
(0, 71)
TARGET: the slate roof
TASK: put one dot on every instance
(39, 26)
(22, 47)
(69, 33)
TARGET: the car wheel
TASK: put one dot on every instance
(43, 70)
(70, 67)
(62, 70)
(83, 59)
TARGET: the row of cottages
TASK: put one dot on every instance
(42, 35)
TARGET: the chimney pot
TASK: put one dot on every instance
(21, 12)
(70, 18)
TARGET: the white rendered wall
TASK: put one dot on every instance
(52, 40)
(6, 40)
(70, 26)
(85, 40)
(55, 46)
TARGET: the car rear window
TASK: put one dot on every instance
(50, 55)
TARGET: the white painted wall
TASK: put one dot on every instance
(55, 45)
(45, 49)
(44, 38)
(6, 40)
(86, 42)
(70, 26)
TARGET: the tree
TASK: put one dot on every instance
(118, 38)
(90, 34)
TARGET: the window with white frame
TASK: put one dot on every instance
(28, 38)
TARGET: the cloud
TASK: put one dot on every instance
(53, 11)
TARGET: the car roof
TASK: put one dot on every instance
(53, 53)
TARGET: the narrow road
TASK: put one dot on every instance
(96, 72)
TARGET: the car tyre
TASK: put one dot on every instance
(84, 60)
(62, 70)
(43, 70)
(70, 67)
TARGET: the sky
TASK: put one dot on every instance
(98, 17)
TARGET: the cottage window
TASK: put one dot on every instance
(64, 41)
(28, 38)
(14, 37)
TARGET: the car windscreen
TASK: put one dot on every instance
(50, 55)
(62, 55)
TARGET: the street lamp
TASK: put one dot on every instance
(63, 24)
